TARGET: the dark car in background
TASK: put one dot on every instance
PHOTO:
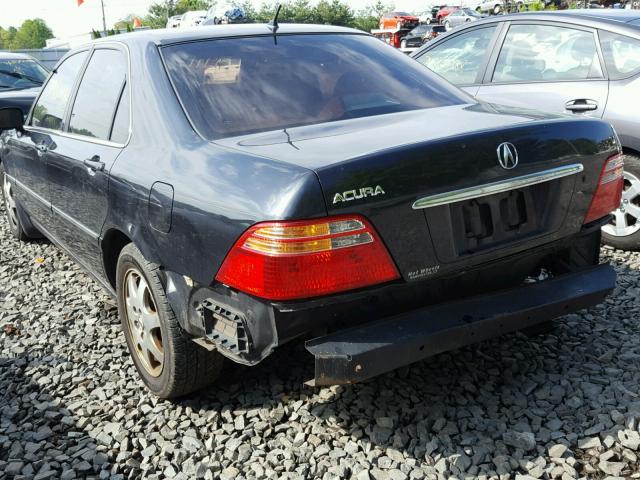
(21, 77)
(576, 62)
(319, 186)
(422, 34)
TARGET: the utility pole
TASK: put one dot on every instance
(104, 20)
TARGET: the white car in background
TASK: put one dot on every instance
(174, 22)
(472, 4)
(425, 17)
(498, 6)
(491, 6)
(193, 18)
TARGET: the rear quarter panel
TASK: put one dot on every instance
(623, 110)
(218, 192)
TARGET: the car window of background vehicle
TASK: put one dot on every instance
(21, 73)
(621, 54)
(50, 108)
(98, 95)
(247, 85)
(120, 130)
(547, 53)
(459, 59)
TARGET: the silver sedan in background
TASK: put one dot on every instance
(577, 62)
(460, 17)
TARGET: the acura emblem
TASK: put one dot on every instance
(507, 155)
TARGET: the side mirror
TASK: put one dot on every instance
(11, 118)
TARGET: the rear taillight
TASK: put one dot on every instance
(609, 191)
(304, 259)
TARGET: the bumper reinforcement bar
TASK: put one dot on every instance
(362, 352)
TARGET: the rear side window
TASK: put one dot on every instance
(547, 53)
(50, 109)
(98, 95)
(621, 54)
(460, 58)
(238, 86)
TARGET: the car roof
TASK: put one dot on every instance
(168, 36)
(607, 19)
(594, 17)
(15, 56)
(610, 14)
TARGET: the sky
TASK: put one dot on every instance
(65, 18)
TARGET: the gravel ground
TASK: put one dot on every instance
(563, 405)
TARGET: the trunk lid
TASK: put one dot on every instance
(381, 166)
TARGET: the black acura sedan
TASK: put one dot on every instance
(239, 187)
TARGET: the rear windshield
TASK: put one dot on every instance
(245, 85)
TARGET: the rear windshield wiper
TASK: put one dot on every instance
(21, 76)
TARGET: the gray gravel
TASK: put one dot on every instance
(564, 405)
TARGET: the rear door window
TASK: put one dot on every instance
(621, 54)
(460, 59)
(239, 86)
(50, 108)
(547, 53)
(98, 95)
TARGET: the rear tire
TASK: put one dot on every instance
(497, 9)
(624, 230)
(168, 361)
(11, 207)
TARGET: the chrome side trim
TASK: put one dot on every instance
(27, 190)
(497, 187)
(53, 208)
(86, 230)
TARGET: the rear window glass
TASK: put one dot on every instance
(239, 86)
(621, 54)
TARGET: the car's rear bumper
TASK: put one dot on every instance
(363, 352)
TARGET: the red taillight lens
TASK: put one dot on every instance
(609, 191)
(304, 259)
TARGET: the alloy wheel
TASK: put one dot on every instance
(143, 322)
(10, 202)
(626, 219)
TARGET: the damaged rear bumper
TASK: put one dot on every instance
(371, 349)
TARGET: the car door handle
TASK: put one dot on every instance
(94, 164)
(581, 105)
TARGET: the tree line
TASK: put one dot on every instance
(31, 34)
(334, 12)
(34, 33)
